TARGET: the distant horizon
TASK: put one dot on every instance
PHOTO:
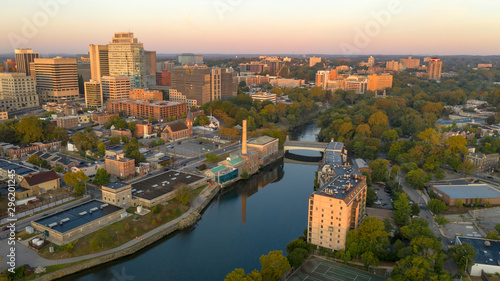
(358, 27)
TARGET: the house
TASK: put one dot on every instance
(41, 182)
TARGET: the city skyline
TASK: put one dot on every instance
(241, 27)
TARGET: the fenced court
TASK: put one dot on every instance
(318, 269)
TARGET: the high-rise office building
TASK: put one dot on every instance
(434, 69)
(193, 82)
(126, 57)
(189, 59)
(56, 78)
(223, 83)
(17, 91)
(93, 94)
(23, 59)
(115, 87)
(99, 61)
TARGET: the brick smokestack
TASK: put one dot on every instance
(244, 138)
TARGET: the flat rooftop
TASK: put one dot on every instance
(20, 169)
(485, 254)
(116, 185)
(343, 184)
(78, 215)
(335, 146)
(161, 184)
(262, 140)
(469, 191)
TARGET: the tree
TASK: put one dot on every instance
(274, 265)
(30, 129)
(211, 157)
(239, 275)
(497, 227)
(102, 149)
(492, 235)
(297, 257)
(415, 209)
(463, 254)
(151, 119)
(370, 196)
(402, 210)
(183, 193)
(115, 140)
(102, 177)
(100, 239)
(442, 220)
(369, 259)
(59, 169)
(468, 168)
(417, 178)
(380, 169)
(153, 143)
(436, 206)
(76, 180)
(161, 142)
(369, 237)
(124, 139)
(388, 225)
(244, 174)
(459, 203)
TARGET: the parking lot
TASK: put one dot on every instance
(382, 197)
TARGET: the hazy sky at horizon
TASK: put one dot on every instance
(445, 27)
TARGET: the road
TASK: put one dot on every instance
(419, 198)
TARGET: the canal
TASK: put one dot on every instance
(247, 220)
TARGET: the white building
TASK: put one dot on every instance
(17, 91)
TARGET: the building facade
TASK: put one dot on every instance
(56, 79)
(189, 59)
(17, 91)
(193, 82)
(141, 94)
(379, 82)
(120, 166)
(126, 57)
(115, 87)
(99, 61)
(93, 94)
(409, 62)
(160, 110)
(434, 69)
(174, 95)
(118, 194)
(67, 122)
(24, 57)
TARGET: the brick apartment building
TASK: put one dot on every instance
(19, 152)
(120, 166)
(121, 132)
(141, 94)
(160, 110)
(68, 122)
(102, 118)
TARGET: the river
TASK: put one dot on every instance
(245, 221)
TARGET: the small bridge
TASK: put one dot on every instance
(305, 145)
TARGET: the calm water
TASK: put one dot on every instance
(246, 221)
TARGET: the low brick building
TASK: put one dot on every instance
(468, 194)
(141, 94)
(483, 162)
(160, 110)
(102, 118)
(120, 166)
(179, 130)
(68, 122)
(41, 182)
(121, 132)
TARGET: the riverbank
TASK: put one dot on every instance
(189, 218)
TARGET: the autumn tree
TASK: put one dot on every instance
(30, 129)
(402, 210)
(274, 265)
(369, 237)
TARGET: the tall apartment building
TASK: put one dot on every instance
(160, 110)
(323, 76)
(434, 69)
(371, 61)
(23, 59)
(253, 67)
(141, 94)
(409, 62)
(93, 94)
(115, 87)
(186, 58)
(17, 91)
(339, 204)
(392, 65)
(99, 61)
(379, 82)
(126, 57)
(313, 61)
(193, 82)
(223, 83)
(56, 78)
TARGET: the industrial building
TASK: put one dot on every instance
(468, 193)
(487, 255)
(70, 224)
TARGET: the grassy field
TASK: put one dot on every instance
(117, 233)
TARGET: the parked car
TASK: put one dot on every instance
(377, 202)
(179, 142)
(5, 228)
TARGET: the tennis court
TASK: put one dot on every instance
(318, 269)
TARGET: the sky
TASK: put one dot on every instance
(364, 27)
